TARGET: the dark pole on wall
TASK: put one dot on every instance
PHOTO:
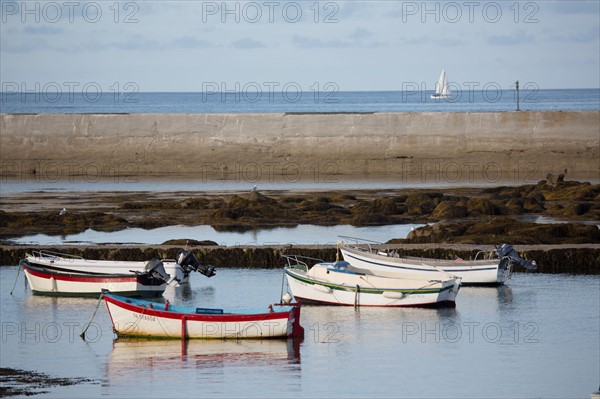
(517, 87)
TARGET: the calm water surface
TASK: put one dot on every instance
(532, 99)
(536, 337)
(304, 234)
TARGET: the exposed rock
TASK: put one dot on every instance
(189, 242)
(505, 230)
(478, 206)
(567, 200)
(449, 209)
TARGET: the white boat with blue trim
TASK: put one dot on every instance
(494, 270)
(340, 283)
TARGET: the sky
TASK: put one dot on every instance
(193, 46)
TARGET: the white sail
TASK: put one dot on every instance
(441, 89)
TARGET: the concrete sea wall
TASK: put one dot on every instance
(452, 147)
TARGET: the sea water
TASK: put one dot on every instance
(303, 234)
(492, 99)
(537, 336)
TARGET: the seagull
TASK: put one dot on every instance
(253, 188)
(62, 211)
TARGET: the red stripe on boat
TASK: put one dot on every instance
(196, 317)
(83, 279)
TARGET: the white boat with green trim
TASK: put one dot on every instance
(339, 283)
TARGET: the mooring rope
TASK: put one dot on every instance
(82, 335)
(17, 278)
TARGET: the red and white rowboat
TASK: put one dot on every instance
(48, 281)
(139, 318)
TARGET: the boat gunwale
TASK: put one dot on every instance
(372, 257)
(85, 277)
(175, 315)
(368, 290)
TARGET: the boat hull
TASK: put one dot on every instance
(44, 281)
(132, 318)
(93, 266)
(484, 272)
(351, 293)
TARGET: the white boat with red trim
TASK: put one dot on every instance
(49, 281)
(177, 269)
(139, 318)
(339, 283)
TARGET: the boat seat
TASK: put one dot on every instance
(208, 311)
(341, 265)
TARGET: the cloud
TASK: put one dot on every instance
(247, 43)
(361, 34)
(590, 36)
(133, 43)
(309, 42)
(190, 42)
(42, 30)
(358, 38)
(427, 40)
(514, 39)
(346, 9)
(136, 42)
(20, 47)
(576, 7)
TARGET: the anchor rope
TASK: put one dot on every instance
(17, 278)
(82, 335)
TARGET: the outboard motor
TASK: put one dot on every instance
(188, 261)
(157, 270)
(506, 250)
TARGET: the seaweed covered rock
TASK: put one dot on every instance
(449, 210)
(53, 222)
(505, 230)
(189, 242)
(478, 206)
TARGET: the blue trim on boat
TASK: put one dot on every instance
(191, 309)
(331, 269)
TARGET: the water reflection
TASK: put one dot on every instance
(504, 295)
(184, 293)
(378, 352)
(303, 234)
(137, 360)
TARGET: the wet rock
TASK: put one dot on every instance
(449, 209)
(566, 200)
(383, 206)
(533, 205)
(422, 203)
(370, 219)
(17, 382)
(15, 224)
(194, 203)
(189, 242)
(478, 206)
(514, 206)
(505, 230)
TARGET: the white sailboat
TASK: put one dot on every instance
(442, 91)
